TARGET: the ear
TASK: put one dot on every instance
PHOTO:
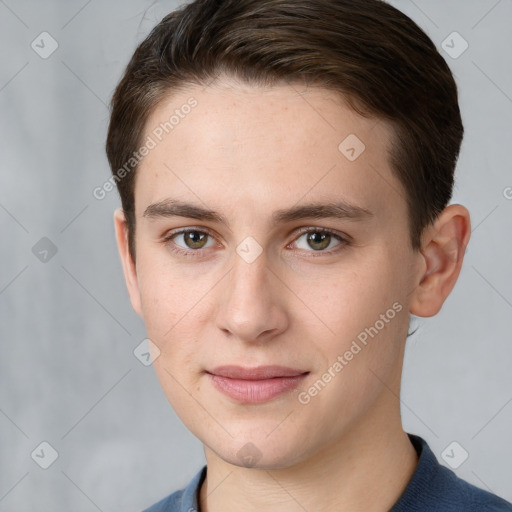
(129, 269)
(442, 251)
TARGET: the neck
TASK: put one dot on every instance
(367, 469)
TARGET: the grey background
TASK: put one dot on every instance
(68, 375)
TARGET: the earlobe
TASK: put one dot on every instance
(443, 247)
(129, 268)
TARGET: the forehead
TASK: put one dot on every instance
(234, 144)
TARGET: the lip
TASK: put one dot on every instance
(255, 385)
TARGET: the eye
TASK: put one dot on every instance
(189, 240)
(319, 239)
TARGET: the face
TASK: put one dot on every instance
(265, 237)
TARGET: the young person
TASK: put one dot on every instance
(285, 169)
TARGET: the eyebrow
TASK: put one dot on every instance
(339, 210)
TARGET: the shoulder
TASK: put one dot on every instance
(434, 487)
(184, 500)
(171, 503)
(459, 493)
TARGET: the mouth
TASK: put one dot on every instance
(255, 385)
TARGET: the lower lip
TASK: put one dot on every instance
(255, 391)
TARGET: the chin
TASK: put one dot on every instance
(257, 452)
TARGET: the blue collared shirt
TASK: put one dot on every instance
(432, 488)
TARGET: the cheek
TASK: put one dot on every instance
(174, 307)
(168, 295)
(365, 320)
(347, 299)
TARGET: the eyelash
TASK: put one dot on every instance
(168, 241)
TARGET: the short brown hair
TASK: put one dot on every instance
(382, 63)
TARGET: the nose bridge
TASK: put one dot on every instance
(247, 281)
(250, 306)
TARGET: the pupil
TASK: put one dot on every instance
(195, 238)
(321, 240)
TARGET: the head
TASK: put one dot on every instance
(309, 149)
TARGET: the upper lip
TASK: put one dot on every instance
(256, 373)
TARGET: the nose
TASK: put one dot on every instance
(252, 307)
